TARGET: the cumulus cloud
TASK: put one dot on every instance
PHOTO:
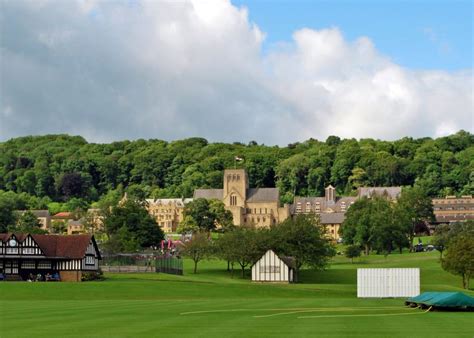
(170, 70)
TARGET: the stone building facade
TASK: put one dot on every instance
(258, 206)
(168, 212)
(452, 209)
(43, 216)
(331, 209)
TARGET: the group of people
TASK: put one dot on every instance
(46, 278)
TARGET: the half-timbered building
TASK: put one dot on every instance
(24, 255)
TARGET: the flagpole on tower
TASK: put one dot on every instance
(237, 159)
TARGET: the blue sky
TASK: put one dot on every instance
(415, 34)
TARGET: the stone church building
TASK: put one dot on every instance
(258, 206)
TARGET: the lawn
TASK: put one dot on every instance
(211, 304)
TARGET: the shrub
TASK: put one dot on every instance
(93, 275)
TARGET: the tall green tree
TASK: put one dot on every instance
(134, 217)
(459, 259)
(304, 239)
(198, 248)
(7, 215)
(414, 207)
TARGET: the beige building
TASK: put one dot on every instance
(452, 209)
(258, 206)
(168, 212)
(91, 222)
(331, 209)
(43, 216)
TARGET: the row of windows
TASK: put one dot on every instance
(456, 215)
(455, 208)
(258, 211)
(90, 260)
(233, 177)
(257, 220)
(469, 201)
(16, 251)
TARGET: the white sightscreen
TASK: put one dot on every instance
(378, 283)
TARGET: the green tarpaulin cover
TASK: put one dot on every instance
(443, 299)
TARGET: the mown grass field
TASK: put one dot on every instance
(211, 304)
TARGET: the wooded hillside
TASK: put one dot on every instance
(61, 167)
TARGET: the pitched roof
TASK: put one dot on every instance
(392, 192)
(290, 261)
(64, 214)
(59, 246)
(341, 204)
(263, 195)
(209, 193)
(37, 213)
(179, 202)
(332, 218)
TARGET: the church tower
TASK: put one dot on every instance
(236, 184)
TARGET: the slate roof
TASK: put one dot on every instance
(37, 213)
(209, 194)
(180, 202)
(263, 195)
(323, 204)
(332, 218)
(392, 192)
(253, 194)
(58, 246)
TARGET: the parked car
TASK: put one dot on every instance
(430, 248)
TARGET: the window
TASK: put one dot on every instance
(12, 250)
(233, 200)
(44, 265)
(28, 251)
(90, 260)
(28, 265)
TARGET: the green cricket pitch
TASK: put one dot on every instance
(212, 304)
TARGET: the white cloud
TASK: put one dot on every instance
(149, 69)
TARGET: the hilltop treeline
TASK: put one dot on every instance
(61, 167)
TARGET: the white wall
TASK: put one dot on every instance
(395, 282)
(270, 268)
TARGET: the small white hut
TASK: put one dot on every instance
(271, 268)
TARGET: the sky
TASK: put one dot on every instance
(275, 72)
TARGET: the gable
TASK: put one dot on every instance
(92, 248)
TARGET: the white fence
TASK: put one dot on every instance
(382, 283)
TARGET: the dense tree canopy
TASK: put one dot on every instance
(130, 227)
(56, 168)
(459, 259)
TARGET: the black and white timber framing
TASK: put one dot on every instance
(25, 254)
